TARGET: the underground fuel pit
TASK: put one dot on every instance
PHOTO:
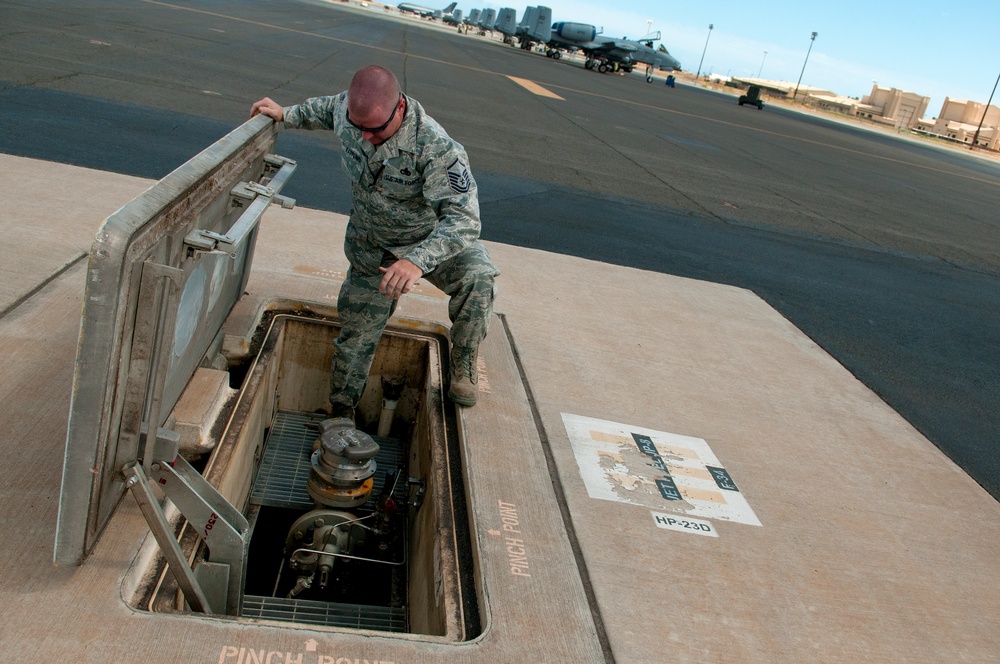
(369, 531)
(348, 527)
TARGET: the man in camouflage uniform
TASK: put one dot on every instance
(415, 214)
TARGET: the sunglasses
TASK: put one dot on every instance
(381, 127)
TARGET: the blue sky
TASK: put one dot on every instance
(935, 49)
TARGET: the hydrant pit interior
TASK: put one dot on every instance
(390, 551)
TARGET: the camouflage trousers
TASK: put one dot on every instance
(468, 280)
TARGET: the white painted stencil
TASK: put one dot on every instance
(684, 524)
(655, 469)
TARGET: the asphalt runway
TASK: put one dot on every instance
(883, 251)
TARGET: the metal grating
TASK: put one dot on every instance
(381, 618)
(284, 470)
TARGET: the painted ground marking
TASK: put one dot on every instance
(655, 469)
(535, 88)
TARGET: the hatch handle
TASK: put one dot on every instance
(260, 195)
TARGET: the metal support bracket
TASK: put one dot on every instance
(255, 197)
(221, 526)
(136, 480)
(154, 336)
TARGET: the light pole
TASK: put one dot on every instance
(762, 64)
(710, 26)
(649, 26)
(811, 41)
(983, 119)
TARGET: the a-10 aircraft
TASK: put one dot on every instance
(606, 53)
(602, 53)
(426, 12)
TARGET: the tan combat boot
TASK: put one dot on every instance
(464, 376)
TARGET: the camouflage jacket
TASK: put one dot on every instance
(414, 195)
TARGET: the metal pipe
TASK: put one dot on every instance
(344, 555)
(385, 419)
(392, 389)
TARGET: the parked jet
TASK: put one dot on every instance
(535, 27)
(641, 51)
(487, 19)
(607, 53)
(660, 57)
(506, 24)
(454, 18)
(425, 12)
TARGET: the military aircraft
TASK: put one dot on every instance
(535, 27)
(506, 24)
(607, 53)
(487, 19)
(425, 12)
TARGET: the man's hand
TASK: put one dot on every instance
(399, 278)
(268, 107)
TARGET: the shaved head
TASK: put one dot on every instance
(373, 89)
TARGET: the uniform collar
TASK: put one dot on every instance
(405, 138)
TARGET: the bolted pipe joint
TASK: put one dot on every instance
(342, 466)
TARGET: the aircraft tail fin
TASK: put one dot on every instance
(542, 28)
(450, 8)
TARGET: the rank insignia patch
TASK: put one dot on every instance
(458, 177)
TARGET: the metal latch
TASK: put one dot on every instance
(248, 191)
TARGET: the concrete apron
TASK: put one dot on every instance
(690, 478)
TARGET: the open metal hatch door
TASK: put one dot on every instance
(164, 273)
